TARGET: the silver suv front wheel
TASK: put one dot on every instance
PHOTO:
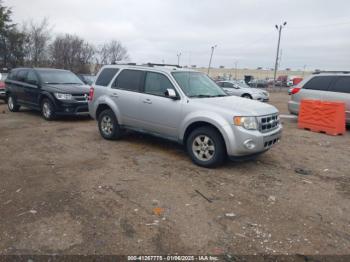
(206, 146)
(203, 147)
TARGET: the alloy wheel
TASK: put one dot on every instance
(107, 125)
(203, 148)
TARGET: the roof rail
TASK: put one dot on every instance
(123, 63)
(154, 64)
(325, 72)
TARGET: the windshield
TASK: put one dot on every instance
(59, 77)
(243, 85)
(195, 84)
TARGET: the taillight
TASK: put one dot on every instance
(91, 94)
(295, 90)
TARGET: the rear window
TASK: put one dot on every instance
(130, 80)
(106, 76)
(319, 83)
(342, 85)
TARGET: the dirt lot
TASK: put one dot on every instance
(65, 190)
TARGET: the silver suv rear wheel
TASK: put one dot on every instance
(108, 125)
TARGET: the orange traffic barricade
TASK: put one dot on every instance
(322, 116)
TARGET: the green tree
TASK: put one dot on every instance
(5, 27)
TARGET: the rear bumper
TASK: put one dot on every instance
(293, 107)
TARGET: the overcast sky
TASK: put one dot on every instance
(317, 34)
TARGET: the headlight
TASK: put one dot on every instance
(61, 96)
(248, 122)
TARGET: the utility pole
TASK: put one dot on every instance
(304, 70)
(211, 57)
(236, 62)
(178, 58)
(279, 28)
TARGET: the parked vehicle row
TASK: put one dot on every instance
(174, 103)
(184, 106)
(51, 91)
(240, 88)
(328, 86)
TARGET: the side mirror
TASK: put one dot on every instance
(171, 93)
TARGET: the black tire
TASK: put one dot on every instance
(12, 104)
(247, 96)
(48, 109)
(218, 155)
(108, 125)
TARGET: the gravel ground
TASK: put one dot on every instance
(65, 190)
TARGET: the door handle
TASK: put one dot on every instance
(114, 95)
(147, 101)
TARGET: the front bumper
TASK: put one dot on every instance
(261, 98)
(261, 141)
(71, 108)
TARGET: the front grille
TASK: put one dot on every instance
(268, 123)
(81, 97)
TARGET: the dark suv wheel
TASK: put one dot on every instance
(206, 147)
(108, 125)
(47, 109)
(12, 104)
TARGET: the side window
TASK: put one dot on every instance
(221, 84)
(12, 75)
(32, 78)
(106, 76)
(157, 84)
(342, 85)
(229, 85)
(129, 80)
(319, 83)
(21, 75)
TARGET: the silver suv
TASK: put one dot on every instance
(185, 106)
(327, 86)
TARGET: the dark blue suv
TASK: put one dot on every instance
(52, 91)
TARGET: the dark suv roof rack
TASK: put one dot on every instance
(325, 72)
(154, 64)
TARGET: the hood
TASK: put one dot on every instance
(237, 105)
(67, 88)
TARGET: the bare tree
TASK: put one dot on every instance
(71, 52)
(112, 52)
(37, 41)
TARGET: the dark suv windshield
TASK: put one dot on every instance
(59, 77)
(195, 84)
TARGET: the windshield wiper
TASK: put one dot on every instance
(219, 95)
(205, 96)
(201, 96)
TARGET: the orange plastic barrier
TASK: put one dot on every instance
(322, 116)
